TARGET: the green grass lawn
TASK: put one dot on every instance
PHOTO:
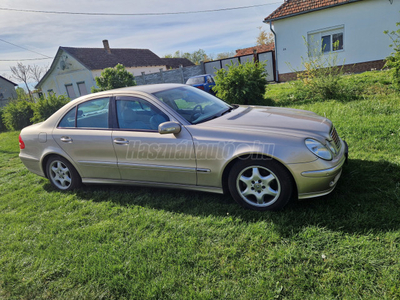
(118, 242)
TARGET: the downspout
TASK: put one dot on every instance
(276, 51)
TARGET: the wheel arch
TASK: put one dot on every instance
(231, 163)
(46, 158)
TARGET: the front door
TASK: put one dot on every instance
(143, 153)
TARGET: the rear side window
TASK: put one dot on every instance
(90, 114)
(69, 119)
(196, 80)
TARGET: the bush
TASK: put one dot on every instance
(112, 78)
(241, 84)
(322, 78)
(46, 106)
(18, 114)
(393, 61)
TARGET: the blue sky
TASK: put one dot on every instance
(214, 32)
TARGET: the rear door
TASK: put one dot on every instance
(85, 135)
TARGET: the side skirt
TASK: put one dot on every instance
(209, 189)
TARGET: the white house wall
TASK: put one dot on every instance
(73, 73)
(363, 23)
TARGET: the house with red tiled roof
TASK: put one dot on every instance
(258, 49)
(350, 30)
(73, 70)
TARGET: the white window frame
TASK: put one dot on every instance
(314, 40)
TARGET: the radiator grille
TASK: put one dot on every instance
(335, 138)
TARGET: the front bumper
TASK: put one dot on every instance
(314, 181)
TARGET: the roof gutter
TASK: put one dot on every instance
(276, 52)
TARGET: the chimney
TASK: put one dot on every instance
(106, 46)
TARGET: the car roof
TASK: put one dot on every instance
(150, 88)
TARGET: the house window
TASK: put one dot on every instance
(70, 91)
(325, 40)
(326, 43)
(50, 92)
(82, 88)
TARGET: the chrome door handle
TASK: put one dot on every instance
(66, 139)
(120, 141)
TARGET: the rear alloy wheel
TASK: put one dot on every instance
(62, 174)
(260, 184)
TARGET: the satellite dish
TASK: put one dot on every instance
(62, 65)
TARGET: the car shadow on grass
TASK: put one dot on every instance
(366, 199)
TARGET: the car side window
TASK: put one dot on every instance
(90, 114)
(68, 121)
(138, 114)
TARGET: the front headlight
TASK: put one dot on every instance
(318, 149)
(333, 149)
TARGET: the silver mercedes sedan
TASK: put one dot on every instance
(177, 136)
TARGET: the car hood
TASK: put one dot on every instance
(280, 120)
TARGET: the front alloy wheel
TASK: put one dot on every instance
(260, 184)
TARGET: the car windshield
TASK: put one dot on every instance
(194, 105)
(196, 80)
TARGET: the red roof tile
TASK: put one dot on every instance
(295, 7)
(250, 50)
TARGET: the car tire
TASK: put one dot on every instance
(260, 184)
(62, 174)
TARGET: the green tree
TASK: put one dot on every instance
(228, 54)
(241, 84)
(393, 61)
(195, 57)
(112, 78)
(264, 37)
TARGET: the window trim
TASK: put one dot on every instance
(79, 90)
(327, 31)
(66, 88)
(110, 118)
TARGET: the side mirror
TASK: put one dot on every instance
(169, 127)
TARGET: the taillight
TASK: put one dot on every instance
(200, 87)
(21, 143)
